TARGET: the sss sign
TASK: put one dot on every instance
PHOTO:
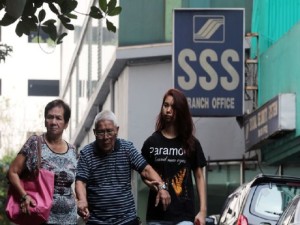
(208, 60)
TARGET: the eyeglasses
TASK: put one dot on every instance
(101, 133)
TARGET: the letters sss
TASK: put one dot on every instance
(189, 82)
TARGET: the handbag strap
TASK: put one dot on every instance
(34, 171)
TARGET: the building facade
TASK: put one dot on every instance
(29, 79)
(130, 70)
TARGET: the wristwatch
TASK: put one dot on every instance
(162, 187)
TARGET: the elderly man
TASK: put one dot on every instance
(103, 180)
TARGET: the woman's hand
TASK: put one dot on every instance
(200, 218)
(26, 203)
(164, 197)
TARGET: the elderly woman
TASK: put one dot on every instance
(57, 156)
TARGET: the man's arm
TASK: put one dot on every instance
(150, 177)
(82, 204)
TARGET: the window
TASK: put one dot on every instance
(35, 37)
(108, 38)
(271, 199)
(87, 88)
(43, 87)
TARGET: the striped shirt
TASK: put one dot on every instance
(108, 182)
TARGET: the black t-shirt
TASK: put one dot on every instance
(169, 160)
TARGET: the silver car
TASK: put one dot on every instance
(260, 201)
(291, 215)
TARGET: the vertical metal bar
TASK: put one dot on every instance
(100, 40)
(242, 174)
(112, 94)
(88, 40)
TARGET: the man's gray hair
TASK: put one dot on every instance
(106, 115)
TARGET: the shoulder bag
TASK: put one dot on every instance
(40, 187)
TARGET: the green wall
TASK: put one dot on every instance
(271, 19)
(279, 73)
(147, 22)
(141, 22)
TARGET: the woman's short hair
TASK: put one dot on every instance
(106, 115)
(59, 103)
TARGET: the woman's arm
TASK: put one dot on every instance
(201, 189)
(15, 169)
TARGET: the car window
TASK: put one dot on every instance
(270, 200)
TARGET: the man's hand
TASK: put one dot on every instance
(153, 185)
(82, 209)
(155, 182)
(164, 197)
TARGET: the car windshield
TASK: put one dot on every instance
(271, 199)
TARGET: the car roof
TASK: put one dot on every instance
(265, 178)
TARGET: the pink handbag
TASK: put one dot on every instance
(41, 189)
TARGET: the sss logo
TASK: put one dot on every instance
(209, 30)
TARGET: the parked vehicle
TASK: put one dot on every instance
(209, 221)
(291, 215)
(260, 201)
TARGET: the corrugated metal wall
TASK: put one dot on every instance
(271, 19)
(278, 24)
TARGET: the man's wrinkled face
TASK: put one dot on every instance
(106, 133)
